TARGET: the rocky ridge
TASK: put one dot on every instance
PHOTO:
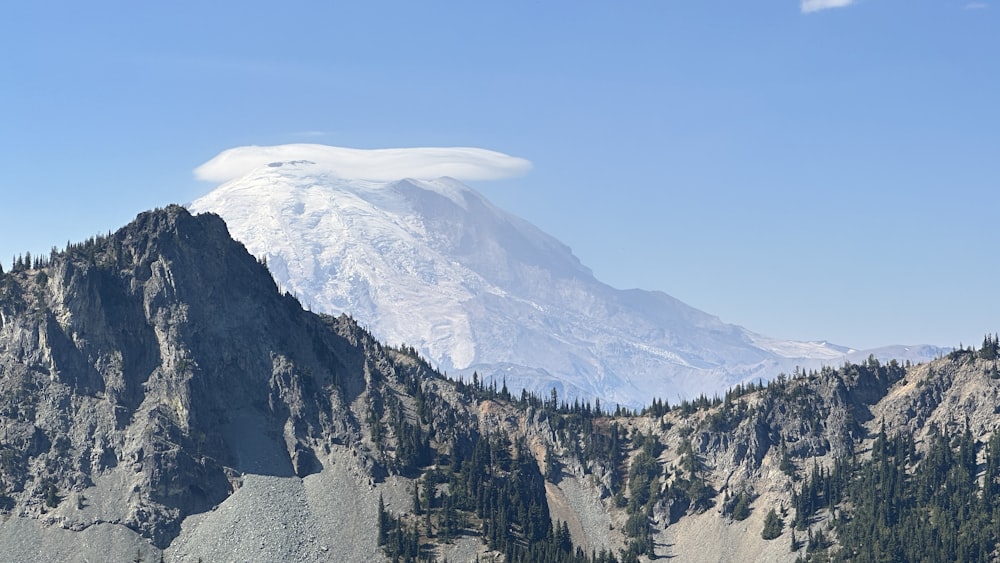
(160, 395)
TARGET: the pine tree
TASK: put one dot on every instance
(383, 521)
(416, 499)
(773, 525)
(742, 508)
(552, 468)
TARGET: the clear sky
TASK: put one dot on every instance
(819, 170)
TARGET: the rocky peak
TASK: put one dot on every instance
(163, 355)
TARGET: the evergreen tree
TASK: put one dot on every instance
(416, 499)
(773, 525)
(383, 521)
(741, 510)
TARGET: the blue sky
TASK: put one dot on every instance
(808, 173)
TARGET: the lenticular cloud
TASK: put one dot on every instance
(462, 163)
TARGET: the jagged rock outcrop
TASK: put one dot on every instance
(158, 393)
(164, 356)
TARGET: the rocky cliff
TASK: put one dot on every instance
(160, 398)
(161, 362)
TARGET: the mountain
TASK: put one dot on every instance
(143, 374)
(434, 265)
(160, 399)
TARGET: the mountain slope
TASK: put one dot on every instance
(159, 397)
(144, 373)
(433, 264)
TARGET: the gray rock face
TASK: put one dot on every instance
(162, 358)
(159, 396)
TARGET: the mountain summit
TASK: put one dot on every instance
(434, 265)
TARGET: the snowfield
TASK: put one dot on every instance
(434, 265)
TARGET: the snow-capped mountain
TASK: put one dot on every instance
(434, 265)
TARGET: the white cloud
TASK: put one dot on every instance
(462, 163)
(976, 6)
(817, 5)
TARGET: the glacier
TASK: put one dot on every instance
(432, 264)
